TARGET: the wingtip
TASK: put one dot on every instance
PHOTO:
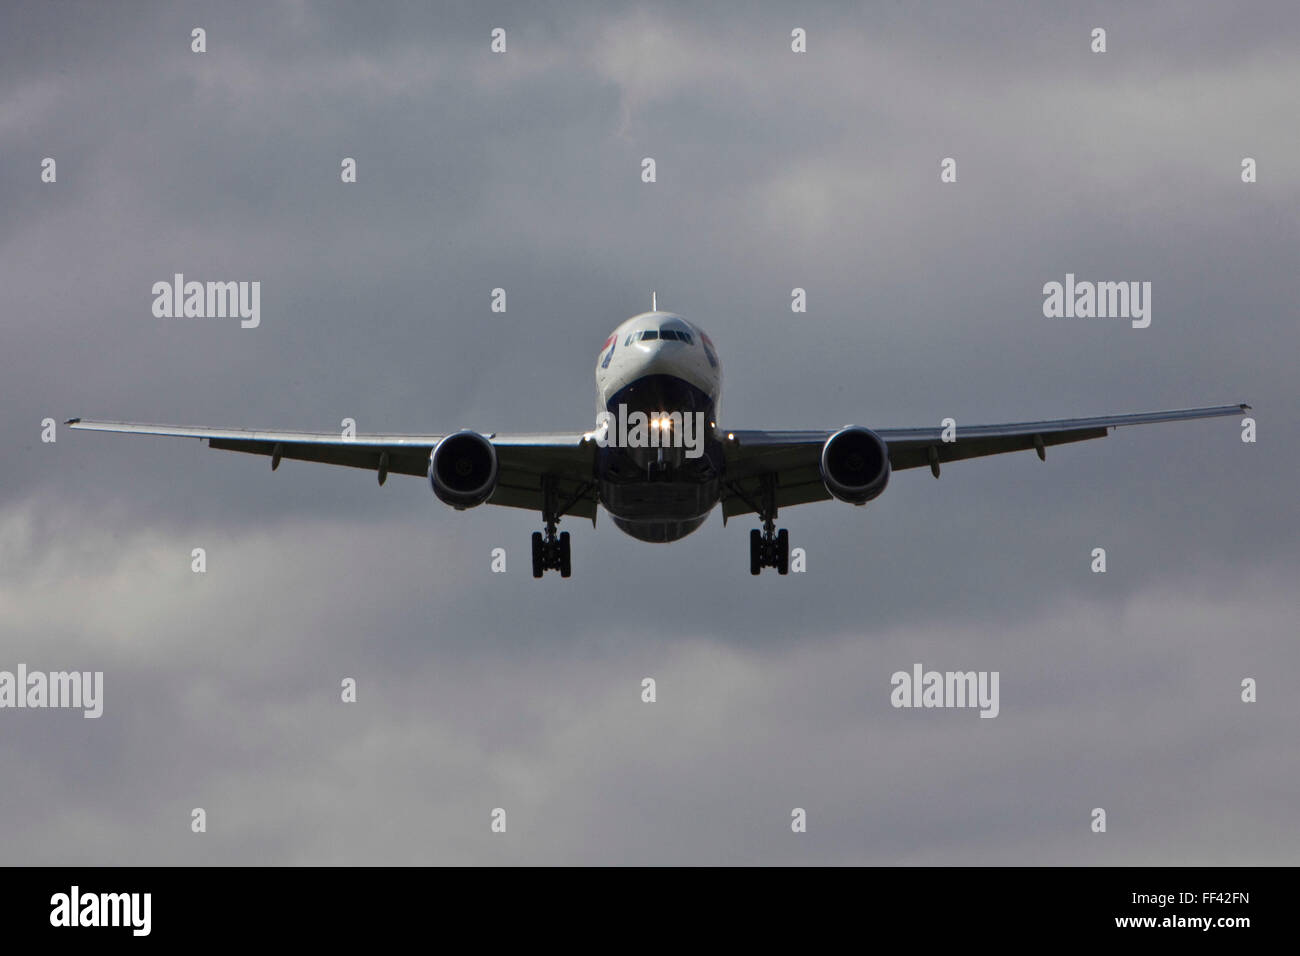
(1245, 407)
(72, 421)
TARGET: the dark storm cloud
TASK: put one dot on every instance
(521, 171)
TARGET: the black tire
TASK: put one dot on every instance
(755, 552)
(783, 552)
(537, 554)
(566, 564)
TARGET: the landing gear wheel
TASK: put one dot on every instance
(551, 550)
(768, 548)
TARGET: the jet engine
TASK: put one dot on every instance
(463, 469)
(855, 465)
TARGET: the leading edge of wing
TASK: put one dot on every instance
(251, 435)
(557, 439)
(757, 438)
(1015, 429)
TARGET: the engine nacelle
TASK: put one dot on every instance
(463, 470)
(855, 465)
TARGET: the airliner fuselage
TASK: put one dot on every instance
(657, 364)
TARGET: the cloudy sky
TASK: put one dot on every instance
(775, 170)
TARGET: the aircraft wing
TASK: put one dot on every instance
(794, 457)
(523, 460)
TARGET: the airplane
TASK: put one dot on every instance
(657, 476)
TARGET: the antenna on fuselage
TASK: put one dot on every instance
(654, 303)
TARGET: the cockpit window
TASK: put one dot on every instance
(668, 335)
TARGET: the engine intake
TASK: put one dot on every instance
(855, 465)
(463, 469)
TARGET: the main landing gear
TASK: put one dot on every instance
(551, 550)
(768, 548)
(551, 553)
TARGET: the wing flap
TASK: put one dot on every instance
(402, 459)
(524, 460)
(915, 454)
(523, 489)
(794, 487)
(793, 458)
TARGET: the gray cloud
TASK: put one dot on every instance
(481, 690)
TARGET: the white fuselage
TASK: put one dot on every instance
(628, 357)
(658, 364)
